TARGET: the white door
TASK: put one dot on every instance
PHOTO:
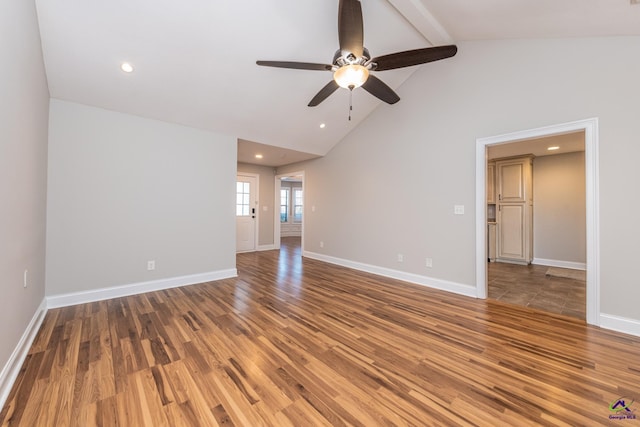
(246, 212)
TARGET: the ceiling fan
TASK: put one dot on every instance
(352, 63)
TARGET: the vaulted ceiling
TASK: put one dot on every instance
(195, 61)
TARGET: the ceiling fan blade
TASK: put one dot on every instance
(413, 57)
(324, 93)
(350, 27)
(295, 65)
(380, 90)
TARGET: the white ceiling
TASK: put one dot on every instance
(516, 19)
(269, 155)
(566, 143)
(195, 60)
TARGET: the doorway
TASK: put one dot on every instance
(246, 212)
(536, 224)
(290, 217)
(590, 128)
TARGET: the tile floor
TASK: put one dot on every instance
(528, 285)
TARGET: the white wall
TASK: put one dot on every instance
(124, 190)
(559, 208)
(402, 171)
(24, 104)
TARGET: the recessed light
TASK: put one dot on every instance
(322, 125)
(555, 147)
(126, 67)
(258, 156)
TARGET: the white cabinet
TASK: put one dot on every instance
(511, 241)
(514, 178)
(514, 187)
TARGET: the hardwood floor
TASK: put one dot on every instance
(529, 286)
(297, 342)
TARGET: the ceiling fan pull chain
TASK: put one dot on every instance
(350, 101)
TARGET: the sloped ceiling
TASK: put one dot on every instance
(195, 60)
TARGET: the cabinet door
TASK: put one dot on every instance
(511, 181)
(511, 232)
(491, 183)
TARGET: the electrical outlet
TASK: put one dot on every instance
(428, 262)
(400, 258)
(458, 209)
(24, 278)
(321, 244)
(151, 265)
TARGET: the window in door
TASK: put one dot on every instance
(243, 199)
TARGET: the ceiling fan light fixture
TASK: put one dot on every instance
(351, 76)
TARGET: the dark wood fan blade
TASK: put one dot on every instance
(350, 27)
(380, 90)
(295, 65)
(413, 57)
(324, 93)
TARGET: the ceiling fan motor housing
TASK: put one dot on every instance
(340, 59)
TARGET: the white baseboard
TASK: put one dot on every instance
(620, 324)
(457, 288)
(12, 368)
(266, 247)
(562, 264)
(64, 300)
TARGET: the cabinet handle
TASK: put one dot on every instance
(499, 196)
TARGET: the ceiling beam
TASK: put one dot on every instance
(423, 21)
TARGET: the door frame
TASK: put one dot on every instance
(276, 210)
(256, 223)
(591, 145)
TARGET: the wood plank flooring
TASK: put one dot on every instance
(297, 342)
